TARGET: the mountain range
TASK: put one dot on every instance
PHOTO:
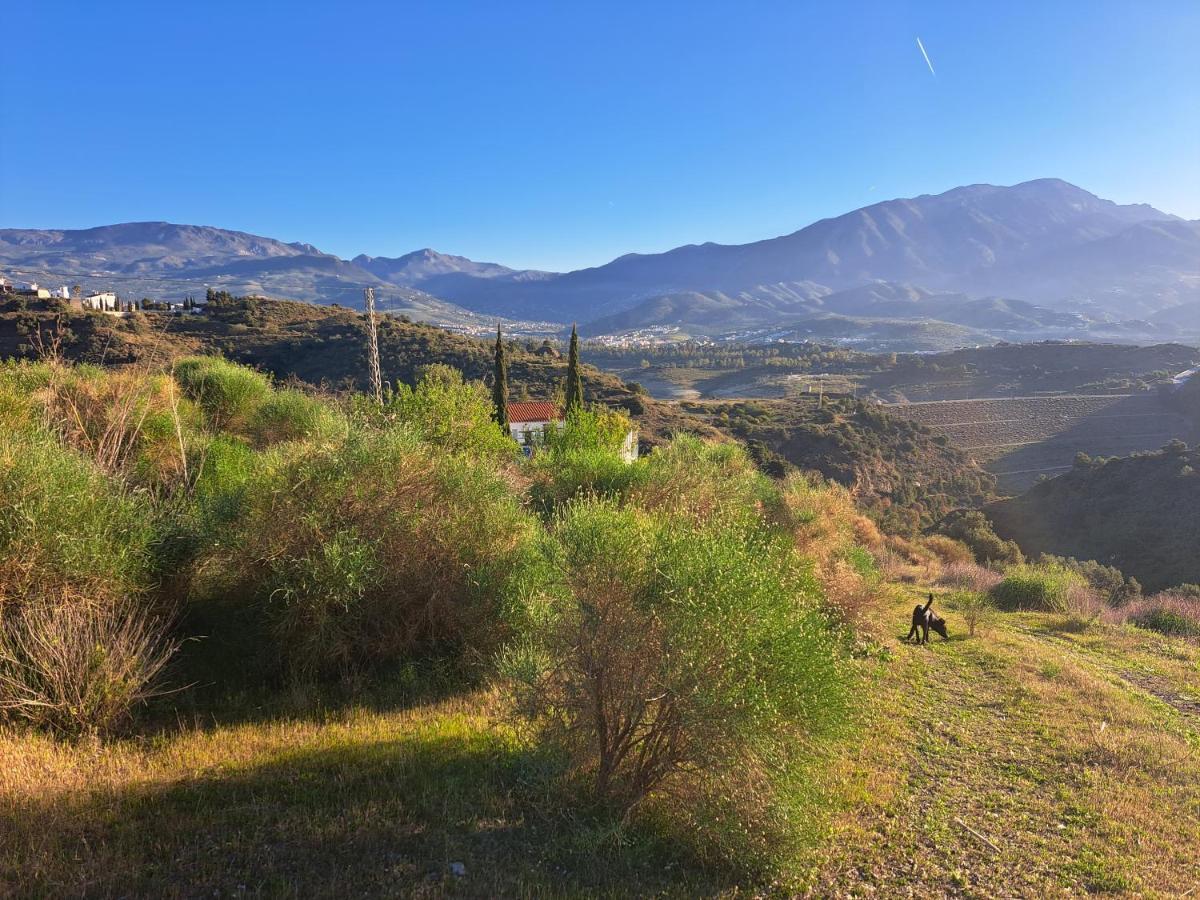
(1041, 257)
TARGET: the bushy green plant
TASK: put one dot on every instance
(579, 473)
(79, 641)
(291, 415)
(19, 382)
(230, 395)
(583, 459)
(682, 653)
(702, 479)
(223, 469)
(595, 428)
(1170, 612)
(61, 518)
(971, 527)
(1045, 588)
(379, 548)
(451, 414)
(975, 607)
(1108, 581)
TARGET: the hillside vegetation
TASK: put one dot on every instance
(904, 474)
(323, 346)
(174, 542)
(1137, 513)
(259, 639)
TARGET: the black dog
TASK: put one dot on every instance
(923, 619)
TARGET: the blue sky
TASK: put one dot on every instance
(559, 135)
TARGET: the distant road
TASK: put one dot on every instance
(1031, 397)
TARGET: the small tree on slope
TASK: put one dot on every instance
(574, 382)
(500, 384)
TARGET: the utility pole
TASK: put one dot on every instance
(373, 332)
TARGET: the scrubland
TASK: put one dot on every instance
(257, 640)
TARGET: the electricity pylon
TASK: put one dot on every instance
(373, 331)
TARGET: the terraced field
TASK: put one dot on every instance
(1020, 438)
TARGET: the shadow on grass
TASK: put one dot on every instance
(394, 817)
(934, 640)
(224, 675)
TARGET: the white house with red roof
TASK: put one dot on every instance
(528, 422)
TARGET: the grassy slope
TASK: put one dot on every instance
(1029, 761)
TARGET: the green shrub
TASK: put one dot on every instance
(62, 519)
(230, 395)
(223, 470)
(1045, 588)
(451, 414)
(377, 549)
(583, 459)
(593, 429)
(581, 472)
(685, 657)
(19, 382)
(80, 643)
(971, 527)
(291, 415)
(1108, 581)
(975, 607)
(701, 480)
(1169, 612)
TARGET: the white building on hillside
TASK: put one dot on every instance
(528, 423)
(104, 300)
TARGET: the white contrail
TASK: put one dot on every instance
(926, 55)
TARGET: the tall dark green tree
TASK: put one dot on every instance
(574, 381)
(500, 384)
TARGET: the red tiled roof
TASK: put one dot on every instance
(533, 412)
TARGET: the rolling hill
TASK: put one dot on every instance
(166, 261)
(1138, 513)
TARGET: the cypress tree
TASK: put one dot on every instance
(574, 382)
(500, 384)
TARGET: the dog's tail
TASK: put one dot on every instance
(930, 603)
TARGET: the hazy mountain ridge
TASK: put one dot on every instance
(1042, 256)
(953, 241)
(161, 259)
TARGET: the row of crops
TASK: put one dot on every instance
(1020, 439)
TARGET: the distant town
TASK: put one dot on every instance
(101, 301)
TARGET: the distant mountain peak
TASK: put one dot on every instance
(1044, 242)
